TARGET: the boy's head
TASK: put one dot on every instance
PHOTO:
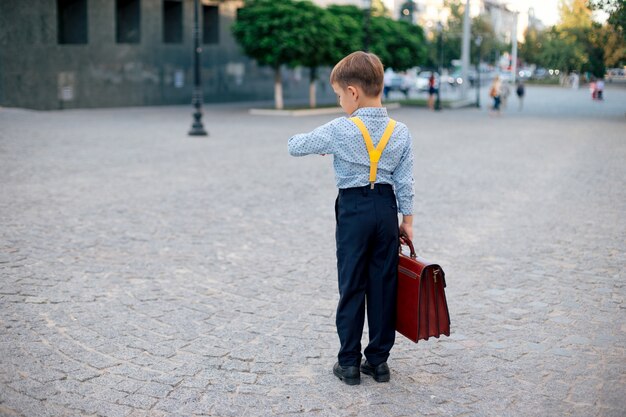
(360, 69)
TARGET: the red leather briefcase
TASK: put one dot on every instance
(422, 309)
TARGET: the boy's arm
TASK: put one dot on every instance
(406, 227)
(320, 141)
(405, 193)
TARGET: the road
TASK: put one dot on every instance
(147, 273)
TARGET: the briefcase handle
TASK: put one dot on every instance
(404, 239)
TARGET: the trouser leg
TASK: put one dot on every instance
(382, 283)
(352, 254)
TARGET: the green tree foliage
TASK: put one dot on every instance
(614, 32)
(575, 15)
(583, 35)
(490, 47)
(561, 50)
(273, 33)
(349, 36)
(320, 31)
(577, 43)
(398, 44)
(298, 33)
(534, 41)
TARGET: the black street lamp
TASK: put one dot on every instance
(197, 129)
(478, 41)
(440, 42)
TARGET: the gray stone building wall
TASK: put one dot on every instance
(38, 72)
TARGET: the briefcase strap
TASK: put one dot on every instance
(374, 153)
(405, 239)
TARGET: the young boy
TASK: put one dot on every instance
(366, 211)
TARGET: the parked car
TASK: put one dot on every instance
(613, 74)
(398, 82)
(540, 74)
(455, 78)
(525, 73)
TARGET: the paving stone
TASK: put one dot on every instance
(146, 273)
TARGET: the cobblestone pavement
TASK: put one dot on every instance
(147, 273)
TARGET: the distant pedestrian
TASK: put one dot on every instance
(505, 91)
(600, 89)
(366, 211)
(520, 91)
(431, 91)
(575, 80)
(494, 93)
(387, 82)
(593, 89)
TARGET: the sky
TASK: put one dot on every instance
(545, 10)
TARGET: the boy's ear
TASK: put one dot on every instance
(354, 93)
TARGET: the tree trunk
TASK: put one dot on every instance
(312, 85)
(278, 89)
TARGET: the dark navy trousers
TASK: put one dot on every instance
(367, 264)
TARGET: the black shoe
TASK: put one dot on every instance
(348, 374)
(380, 372)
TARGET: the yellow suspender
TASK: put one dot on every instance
(374, 153)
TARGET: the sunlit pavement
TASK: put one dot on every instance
(147, 273)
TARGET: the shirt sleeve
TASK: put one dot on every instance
(322, 140)
(403, 179)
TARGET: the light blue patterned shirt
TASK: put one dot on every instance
(343, 139)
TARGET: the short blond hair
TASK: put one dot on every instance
(362, 69)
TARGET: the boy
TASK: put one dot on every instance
(366, 211)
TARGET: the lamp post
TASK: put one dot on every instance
(197, 129)
(478, 41)
(440, 45)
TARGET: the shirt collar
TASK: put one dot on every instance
(370, 112)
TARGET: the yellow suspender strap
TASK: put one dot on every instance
(374, 153)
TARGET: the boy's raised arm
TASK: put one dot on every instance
(320, 141)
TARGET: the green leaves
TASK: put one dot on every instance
(290, 32)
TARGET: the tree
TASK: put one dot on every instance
(321, 29)
(614, 32)
(614, 46)
(399, 45)
(293, 33)
(561, 50)
(575, 15)
(583, 34)
(349, 37)
(481, 26)
(276, 33)
(452, 34)
(616, 10)
(530, 50)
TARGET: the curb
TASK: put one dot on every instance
(307, 112)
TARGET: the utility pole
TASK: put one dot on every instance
(514, 50)
(465, 50)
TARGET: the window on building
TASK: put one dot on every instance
(72, 21)
(172, 21)
(210, 24)
(127, 18)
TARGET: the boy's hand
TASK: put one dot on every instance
(406, 227)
